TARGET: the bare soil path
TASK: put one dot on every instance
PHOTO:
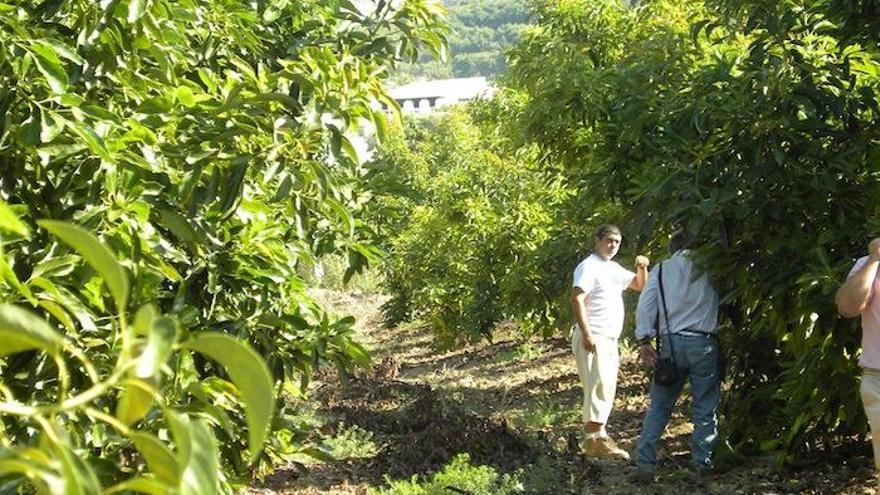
(514, 405)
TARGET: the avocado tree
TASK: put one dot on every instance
(199, 152)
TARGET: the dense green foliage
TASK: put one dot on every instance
(210, 148)
(464, 222)
(483, 30)
(753, 125)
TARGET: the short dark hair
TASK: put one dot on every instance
(681, 239)
(606, 229)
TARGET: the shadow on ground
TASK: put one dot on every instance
(518, 412)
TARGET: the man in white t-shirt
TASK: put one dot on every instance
(858, 296)
(597, 303)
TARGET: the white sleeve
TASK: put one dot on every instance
(584, 278)
(646, 311)
(858, 266)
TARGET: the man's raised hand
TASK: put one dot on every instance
(874, 249)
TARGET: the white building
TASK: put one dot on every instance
(426, 96)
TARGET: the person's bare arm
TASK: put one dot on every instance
(579, 308)
(852, 297)
(638, 282)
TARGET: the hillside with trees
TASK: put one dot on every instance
(482, 31)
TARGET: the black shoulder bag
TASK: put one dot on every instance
(665, 371)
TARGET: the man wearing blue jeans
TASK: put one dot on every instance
(687, 328)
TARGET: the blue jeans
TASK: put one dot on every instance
(696, 357)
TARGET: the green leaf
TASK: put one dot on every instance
(98, 112)
(59, 313)
(96, 254)
(179, 225)
(342, 214)
(357, 352)
(135, 402)
(50, 66)
(141, 485)
(29, 468)
(250, 375)
(197, 455)
(381, 122)
(56, 266)
(136, 9)
(51, 125)
(282, 98)
(8, 274)
(155, 105)
(9, 221)
(91, 139)
(29, 130)
(163, 334)
(79, 477)
(61, 49)
(21, 330)
(220, 417)
(159, 458)
(143, 319)
(231, 193)
(349, 149)
(185, 96)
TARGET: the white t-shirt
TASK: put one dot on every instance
(870, 321)
(604, 282)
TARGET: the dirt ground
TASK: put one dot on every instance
(514, 405)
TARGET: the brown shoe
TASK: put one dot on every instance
(604, 448)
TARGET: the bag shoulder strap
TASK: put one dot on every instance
(665, 315)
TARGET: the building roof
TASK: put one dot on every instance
(465, 88)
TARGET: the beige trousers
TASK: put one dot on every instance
(870, 390)
(598, 373)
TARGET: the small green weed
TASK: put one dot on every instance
(543, 477)
(524, 352)
(546, 411)
(459, 476)
(351, 442)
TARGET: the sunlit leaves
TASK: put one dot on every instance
(160, 459)
(10, 222)
(462, 220)
(197, 455)
(96, 254)
(135, 401)
(50, 66)
(250, 376)
(22, 330)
